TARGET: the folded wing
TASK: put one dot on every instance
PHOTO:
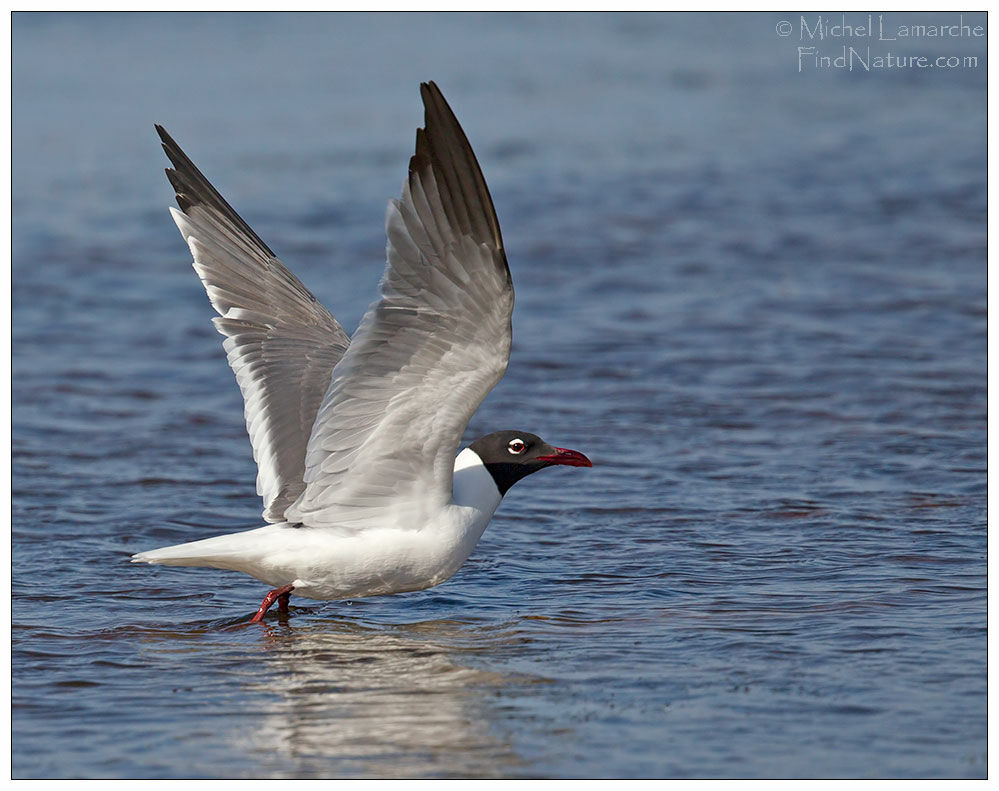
(281, 342)
(425, 355)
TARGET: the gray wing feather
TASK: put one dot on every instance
(425, 355)
(281, 343)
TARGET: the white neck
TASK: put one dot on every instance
(474, 486)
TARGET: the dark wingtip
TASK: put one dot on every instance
(428, 89)
(165, 140)
(443, 146)
(193, 189)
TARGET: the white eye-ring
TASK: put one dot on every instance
(516, 446)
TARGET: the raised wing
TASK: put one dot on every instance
(281, 342)
(425, 355)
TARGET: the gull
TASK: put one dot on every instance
(356, 438)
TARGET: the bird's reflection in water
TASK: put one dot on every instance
(356, 701)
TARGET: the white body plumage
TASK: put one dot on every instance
(323, 563)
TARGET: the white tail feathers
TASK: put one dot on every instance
(216, 552)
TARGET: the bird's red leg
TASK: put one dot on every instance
(278, 594)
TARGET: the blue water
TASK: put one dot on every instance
(755, 297)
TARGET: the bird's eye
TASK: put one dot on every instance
(516, 447)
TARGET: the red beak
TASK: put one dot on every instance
(571, 458)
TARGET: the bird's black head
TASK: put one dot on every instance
(512, 455)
